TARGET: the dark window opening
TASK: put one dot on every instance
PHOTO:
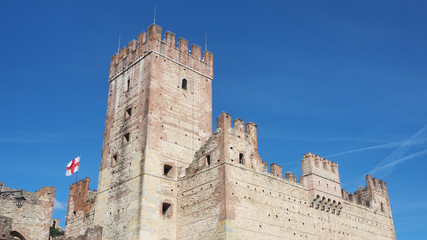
(241, 158)
(74, 213)
(184, 84)
(128, 85)
(126, 138)
(167, 209)
(114, 160)
(167, 170)
(208, 159)
(128, 112)
(382, 207)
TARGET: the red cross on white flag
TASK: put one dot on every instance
(73, 166)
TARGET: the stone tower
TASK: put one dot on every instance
(159, 114)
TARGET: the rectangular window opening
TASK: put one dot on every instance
(208, 160)
(114, 160)
(167, 170)
(167, 209)
(126, 138)
(128, 112)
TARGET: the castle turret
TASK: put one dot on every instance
(321, 179)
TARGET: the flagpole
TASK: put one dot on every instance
(77, 174)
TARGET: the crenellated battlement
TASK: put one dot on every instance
(374, 195)
(151, 41)
(314, 164)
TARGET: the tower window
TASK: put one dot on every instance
(382, 207)
(114, 160)
(128, 85)
(167, 170)
(166, 209)
(126, 138)
(128, 112)
(208, 159)
(241, 160)
(184, 84)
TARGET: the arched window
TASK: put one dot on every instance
(382, 207)
(241, 160)
(184, 84)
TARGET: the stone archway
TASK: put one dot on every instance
(16, 235)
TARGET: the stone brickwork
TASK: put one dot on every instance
(164, 175)
(80, 209)
(229, 199)
(159, 113)
(30, 221)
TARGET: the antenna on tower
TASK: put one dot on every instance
(154, 13)
(206, 40)
(118, 46)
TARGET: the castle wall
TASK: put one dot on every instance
(267, 207)
(165, 176)
(80, 209)
(32, 220)
(262, 205)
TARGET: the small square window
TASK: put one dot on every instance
(128, 113)
(166, 209)
(126, 138)
(167, 170)
(114, 160)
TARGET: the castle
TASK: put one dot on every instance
(164, 175)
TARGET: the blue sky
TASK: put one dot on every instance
(342, 79)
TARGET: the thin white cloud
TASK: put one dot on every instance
(58, 205)
(396, 157)
(398, 161)
(382, 146)
(402, 148)
(313, 139)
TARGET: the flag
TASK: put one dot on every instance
(73, 166)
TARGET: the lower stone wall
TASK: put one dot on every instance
(32, 220)
(202, 206)
(266, 207)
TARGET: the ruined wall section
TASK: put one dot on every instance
(80, 209)
(33, 219)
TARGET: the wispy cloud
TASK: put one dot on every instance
(397, 161)
(313, 139)
(33, 137)
(397, 156)
(383, 146)
(39, 137)
(58, 205)
(403, 148)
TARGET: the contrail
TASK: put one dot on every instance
(403, 148)
(395, 157)
(387, 145)
(398, 161)
(386, 166)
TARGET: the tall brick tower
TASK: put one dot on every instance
(159, 114)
